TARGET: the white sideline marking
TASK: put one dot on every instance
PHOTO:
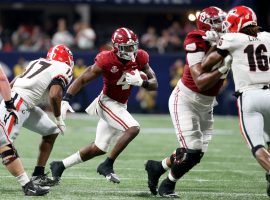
(165, 131)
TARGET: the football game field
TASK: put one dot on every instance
(228, 170)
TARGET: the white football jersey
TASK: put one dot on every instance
(250, 65)
(34, 83)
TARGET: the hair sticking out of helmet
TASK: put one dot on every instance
(61, 53)
(238, 18)
(125, 43)
(211, 18)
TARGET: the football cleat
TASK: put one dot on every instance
(268, 184)
(154, 171)
(57, 169)
(166, 189)
(43, 180)
(108, 172)
(30, 189)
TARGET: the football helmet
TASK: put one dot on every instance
(238, 18)
(210, 19)
(125, 43)
(61, 53)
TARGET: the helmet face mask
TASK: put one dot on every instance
(211, 18)
(125, 43)
(128, 51)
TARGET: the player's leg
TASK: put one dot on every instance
(99, 147)
(12, 162)
(116, 115)
(38, 121)
(251, 116)
(11, 127)
(186, 121)
(156, 168)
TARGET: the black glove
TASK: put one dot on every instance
(11, 110)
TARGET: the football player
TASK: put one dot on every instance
(8, 153)
(120, 71)
(250, 50)
(191, 106)
(44, 77)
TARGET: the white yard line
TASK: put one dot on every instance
(77, 177)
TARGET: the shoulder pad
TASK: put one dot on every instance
(102, 58)
(142, 57)
(194, 41)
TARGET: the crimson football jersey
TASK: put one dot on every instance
(114, 82)
(195, 43)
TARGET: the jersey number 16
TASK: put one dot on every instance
(257, 58)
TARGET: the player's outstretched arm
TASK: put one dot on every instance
(88, 75)
(151, 83)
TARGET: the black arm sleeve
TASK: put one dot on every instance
(222, 52)
(58, 81)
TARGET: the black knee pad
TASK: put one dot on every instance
(11, 154)
(254, 149)
(184, 160)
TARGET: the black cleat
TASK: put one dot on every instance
(267, 176)
(57, 169)
(166, 189)
(30, 189)
(108, 172)
(43, 180)
(154, 171)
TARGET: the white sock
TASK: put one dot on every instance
(164, 164)
(72, 160)
(170, 176)
(23, 179)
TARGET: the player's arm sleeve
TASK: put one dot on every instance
(100, 60)
(195, 58)
(226, 44)
(62, 76)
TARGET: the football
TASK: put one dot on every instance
(143, 76)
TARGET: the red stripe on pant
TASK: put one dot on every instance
(117, 119)
(4, 129)
(241, 125)
(177, 120)
(12, 120)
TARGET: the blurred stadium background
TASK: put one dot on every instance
(28, 28)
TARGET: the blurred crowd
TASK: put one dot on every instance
(81, 36)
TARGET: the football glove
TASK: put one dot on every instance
(60, 124)
(64, 108)
(212, 37)
(134, 79)
(11, 110)
(225, 67)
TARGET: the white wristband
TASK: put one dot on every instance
(223, 69)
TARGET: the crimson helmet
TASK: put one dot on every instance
(60, 53)
(125, 43)
(210, 18)
(238, 18)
